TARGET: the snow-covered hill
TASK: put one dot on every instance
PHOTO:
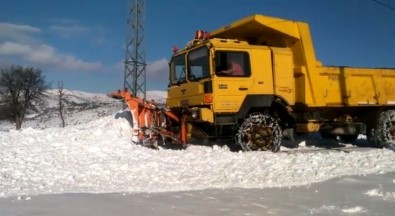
(80, 107)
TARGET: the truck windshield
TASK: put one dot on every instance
(177, 70)
(232, 63)
(198, 64)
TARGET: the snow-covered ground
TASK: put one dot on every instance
(93, 154)
(347, 195)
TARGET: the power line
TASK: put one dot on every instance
(384, 4)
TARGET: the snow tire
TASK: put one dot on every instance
(259, 132)
(384, 135)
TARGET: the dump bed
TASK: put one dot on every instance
(357, 86)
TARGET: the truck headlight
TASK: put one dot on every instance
(195, 113)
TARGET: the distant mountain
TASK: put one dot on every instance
(80, 107)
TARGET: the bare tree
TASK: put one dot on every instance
(60, 101)
(20, 88)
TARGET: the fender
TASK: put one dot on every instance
(254, 103)
(282, 110)
(275, 105)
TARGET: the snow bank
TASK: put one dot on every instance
(97, 157)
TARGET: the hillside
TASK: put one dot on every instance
(80, 107)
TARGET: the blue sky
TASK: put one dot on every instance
(81, 42)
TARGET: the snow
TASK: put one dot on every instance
(98, 157)
(94, 154)
(338, 196)
(378, 192)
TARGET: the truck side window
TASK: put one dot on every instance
(198, 63)
(232, 63)
(177, 70)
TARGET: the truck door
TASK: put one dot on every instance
(233, 79)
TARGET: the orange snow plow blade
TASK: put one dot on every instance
(150, 122)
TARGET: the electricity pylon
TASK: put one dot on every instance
(135, 66)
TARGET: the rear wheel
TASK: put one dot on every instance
(259, 132)
(384, 135)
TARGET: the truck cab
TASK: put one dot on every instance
(216, 83)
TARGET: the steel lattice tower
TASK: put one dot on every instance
(135, 73)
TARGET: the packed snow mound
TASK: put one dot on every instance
(98, 157)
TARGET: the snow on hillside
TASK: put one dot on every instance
(80, 107)
(157, 96)
(94, 154)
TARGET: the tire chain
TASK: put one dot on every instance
(243, 138)
(384, 135)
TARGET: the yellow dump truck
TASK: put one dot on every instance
(259, 76)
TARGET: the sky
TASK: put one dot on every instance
(82, 43)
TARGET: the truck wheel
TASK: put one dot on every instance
(384, 135)
(259, 132)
